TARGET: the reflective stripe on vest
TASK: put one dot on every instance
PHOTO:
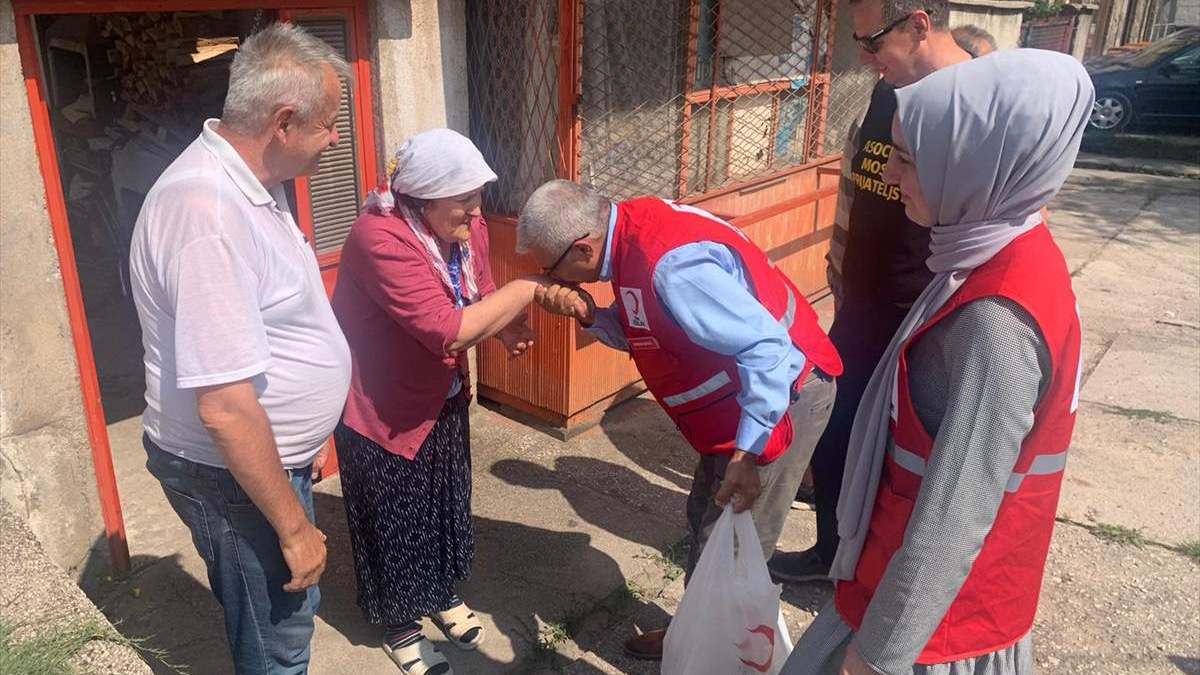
(1043, 465)
(722, 378)
(703, 389)
(789, 317)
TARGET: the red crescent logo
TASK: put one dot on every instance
(768, 633)
(634, 299)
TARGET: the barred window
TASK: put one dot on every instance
(675, 98)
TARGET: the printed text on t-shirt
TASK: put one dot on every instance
(867, 174)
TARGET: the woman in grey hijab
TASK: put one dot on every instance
(958, 447)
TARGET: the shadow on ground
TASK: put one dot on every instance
(565, 477)
(651, 446)
(184, 632)
(521, 573)
(1186, 665)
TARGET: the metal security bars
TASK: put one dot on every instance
(513, 57)
(675, 98)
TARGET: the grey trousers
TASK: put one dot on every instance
(780, 479)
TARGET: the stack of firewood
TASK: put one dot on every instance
(150, 53)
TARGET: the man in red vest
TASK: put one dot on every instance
(723, 340)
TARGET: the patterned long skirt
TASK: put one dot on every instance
(410, 520)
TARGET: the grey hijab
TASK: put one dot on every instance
(993, 141)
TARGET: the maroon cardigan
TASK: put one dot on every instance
(400, 320)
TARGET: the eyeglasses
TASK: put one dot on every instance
(549, 271)
(870, 44)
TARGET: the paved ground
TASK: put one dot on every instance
(570, 534)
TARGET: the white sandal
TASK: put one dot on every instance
(418, 658)
(457, 622)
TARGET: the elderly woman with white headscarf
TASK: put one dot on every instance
(415, 292)
(958, 448)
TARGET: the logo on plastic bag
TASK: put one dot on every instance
(748, 643)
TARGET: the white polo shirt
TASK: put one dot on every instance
(227, 289)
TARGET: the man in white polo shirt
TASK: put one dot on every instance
(246, 368)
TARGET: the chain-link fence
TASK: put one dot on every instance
(849, 87)
(675, 98)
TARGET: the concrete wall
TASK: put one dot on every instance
(1083, 31)
(1187, 13)
(37, 593)
(45, 458)
(419, 54)
(1001, 18)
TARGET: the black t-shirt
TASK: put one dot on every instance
(884, 268)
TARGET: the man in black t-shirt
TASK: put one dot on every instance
(883, 268)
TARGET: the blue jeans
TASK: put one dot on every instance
(269, 629)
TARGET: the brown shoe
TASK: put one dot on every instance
(648, 646)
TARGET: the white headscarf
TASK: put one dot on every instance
(993, 140)
(434, 164)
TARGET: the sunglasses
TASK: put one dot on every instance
(870, 44)
(549, 271)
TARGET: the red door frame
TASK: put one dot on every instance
(43, 133)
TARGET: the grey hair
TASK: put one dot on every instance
(971, 38)
(894, 10)
(278, 66)
(558, 213)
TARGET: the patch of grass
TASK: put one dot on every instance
(1140, 414)
(1120, 535)
(670, 560)
(1125, 536)
(553, 634)
(48, 651)
(1190, 549)
(632, 591)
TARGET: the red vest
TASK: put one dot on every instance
(697, 387)
(996, 605)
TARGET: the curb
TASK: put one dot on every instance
(1138, 165)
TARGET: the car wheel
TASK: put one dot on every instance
(1112, 112)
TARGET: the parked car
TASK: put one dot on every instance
(1157, 85)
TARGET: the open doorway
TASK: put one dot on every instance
(126, 94)
(115, 95)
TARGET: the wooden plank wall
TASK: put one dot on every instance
(569, 378)
(540, 379)
(796, 239)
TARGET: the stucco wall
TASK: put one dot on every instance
(1187, 13)
(419, 56)
(45, 458)
(1001, 18)
(1083, 31)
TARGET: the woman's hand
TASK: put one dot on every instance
(568, 301)
(517, 336)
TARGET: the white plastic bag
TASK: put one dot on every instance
(729, 621)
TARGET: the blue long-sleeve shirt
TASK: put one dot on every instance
(705, 289)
